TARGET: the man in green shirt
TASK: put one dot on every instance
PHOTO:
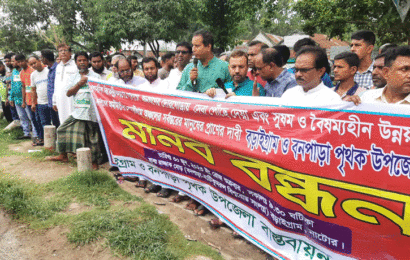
(201, 78)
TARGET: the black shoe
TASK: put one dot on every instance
(23, 137)
(114, 169)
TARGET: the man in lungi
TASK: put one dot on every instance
(80, 129)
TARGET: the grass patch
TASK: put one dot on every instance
(140, 234)
(26, 201)
(7, 138)
(93, 188)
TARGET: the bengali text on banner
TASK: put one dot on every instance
(298, 182)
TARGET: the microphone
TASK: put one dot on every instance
(194, 83)
(221, 85)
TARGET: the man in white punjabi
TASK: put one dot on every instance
(310, 66)
(81, 127)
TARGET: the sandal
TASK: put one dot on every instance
(216, 223)
(200, 211)
(153, 188)
(192, 205)
(178, 198)
(131, 179)
(236, 235)
(58, 158)
(37, 142)
(164, 193)
(141, 184)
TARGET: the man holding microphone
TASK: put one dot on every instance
(201, 76)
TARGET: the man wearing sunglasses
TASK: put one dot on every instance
(183, 55)
(310, 66)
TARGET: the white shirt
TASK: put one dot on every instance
(159, 84)
(104, 74)
(83, 106)
(318, 95)
(135, 81)
(39, 81)
(64, 104)
(377, 96)
(174, 78)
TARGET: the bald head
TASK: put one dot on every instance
(124, 69)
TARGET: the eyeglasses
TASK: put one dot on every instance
(124, 72)
(61, 51)
(303, 70)
(182, 52)
(260, 68)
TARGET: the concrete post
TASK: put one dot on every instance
(50, 137)
(84, 162)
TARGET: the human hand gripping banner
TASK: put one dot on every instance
(298, 182)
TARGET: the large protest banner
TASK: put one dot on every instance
(299, 182)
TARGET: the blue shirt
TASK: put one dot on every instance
(365, 79)
(50, 83)
(278, 86)
(207, 75)
(244, 88)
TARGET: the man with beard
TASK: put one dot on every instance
(126, 75)
(81, 127)
(202, 77)
(268, 65)
(64, 71)
(150, 67)
(183, 55)
(310, 65)
(97, 64)
(241, 85)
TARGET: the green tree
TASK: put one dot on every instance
(279, 17)
(341, 17)
(146, 20)
(223, 17)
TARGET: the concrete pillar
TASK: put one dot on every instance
(84, 162)
(50, 137)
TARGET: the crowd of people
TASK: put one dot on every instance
(38, 90)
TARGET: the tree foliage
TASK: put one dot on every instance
(341, 17)
(223, 17)
(97, 24)
(101, 24)
(146, 20)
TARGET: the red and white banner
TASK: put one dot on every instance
(299, 182)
